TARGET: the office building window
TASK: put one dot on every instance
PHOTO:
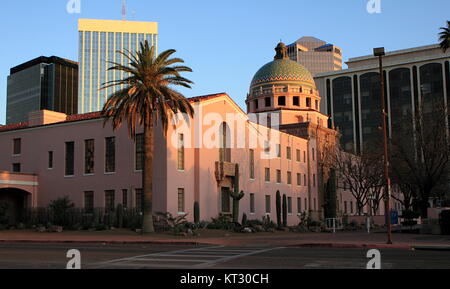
(16, 168)
(89, 148)
(296, 101)
(288, 153)
(139, 152)
(110, 155)
(109, 200)
(252, 203)
(70, 150)
(299, 205)
(125, 198)
(267, 175)
(17, 146)
(181, 201)
(226, 204)
(289, 205)
(279, 150)
(181, 152)
(50, 160)
(252, 164)
(139, 200)
(289, 178)
(89, 201)
(278, 176)
(268, 204)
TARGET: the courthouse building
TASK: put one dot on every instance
(276, 145)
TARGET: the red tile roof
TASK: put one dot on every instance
(97, 114)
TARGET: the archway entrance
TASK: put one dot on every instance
(13, 203)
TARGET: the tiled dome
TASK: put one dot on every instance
(283, 70)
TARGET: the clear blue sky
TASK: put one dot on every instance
(225, 42)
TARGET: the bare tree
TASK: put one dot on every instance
(363, 176)
(420, 153)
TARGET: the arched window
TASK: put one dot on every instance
(225, 143)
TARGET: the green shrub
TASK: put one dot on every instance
(60, 209)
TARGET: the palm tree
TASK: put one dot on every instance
(145, 97)
(444, 37)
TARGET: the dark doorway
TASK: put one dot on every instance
(14, 201)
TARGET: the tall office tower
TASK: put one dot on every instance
(415, 78)
(99, 41)
(316, 55)
(49, 83)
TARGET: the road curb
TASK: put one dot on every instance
(350, 246)
(431, 248)
(180, 243)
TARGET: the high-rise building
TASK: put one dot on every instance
(316, 55)
(44, 83)
(414, 77)
(99, 41)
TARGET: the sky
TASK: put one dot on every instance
(224, 42)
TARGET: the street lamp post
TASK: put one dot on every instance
(380, 53)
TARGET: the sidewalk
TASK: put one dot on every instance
(216, 237)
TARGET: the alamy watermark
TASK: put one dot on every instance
(73, 7)
(374, 6)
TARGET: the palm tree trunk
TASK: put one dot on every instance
(147, 177)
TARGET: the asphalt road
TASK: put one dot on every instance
(98, 256)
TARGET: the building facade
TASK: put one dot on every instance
(414, 78)
(49, 83)
(99, 41)
(315, 55)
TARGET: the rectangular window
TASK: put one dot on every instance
(268, 204)
(304, 156)
(299, 205)
(256, 102)
(226, 204)
(252, 164)
(345, 207)
(89, 148)
(89, 201)
(351, 207)
(181, 152)
(110, 155)
(305, 182)
(139, 152)
(268, 101)
(50, 160)
(139, 200)
(296, 101)
(308, 102)
(70, 151)
(288, 153)
(17, 146)
(314, 180)
(181, 201)
(279, 150)
(267, 175)
(313, 154)
(266, 147)
(289, 178)
(109, 200)
(281, 100)
(125, 198)
(298, 155)
(16, 168)
(278, 176)
(299, 179)
(289, 205)
(252, 203)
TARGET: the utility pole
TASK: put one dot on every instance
(380, 53)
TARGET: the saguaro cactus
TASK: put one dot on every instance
(196, 212)
(236, 195)
(278, 203)
(284, 210)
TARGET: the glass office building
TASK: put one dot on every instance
(99, 41)
(49, 83)
(415, 78)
